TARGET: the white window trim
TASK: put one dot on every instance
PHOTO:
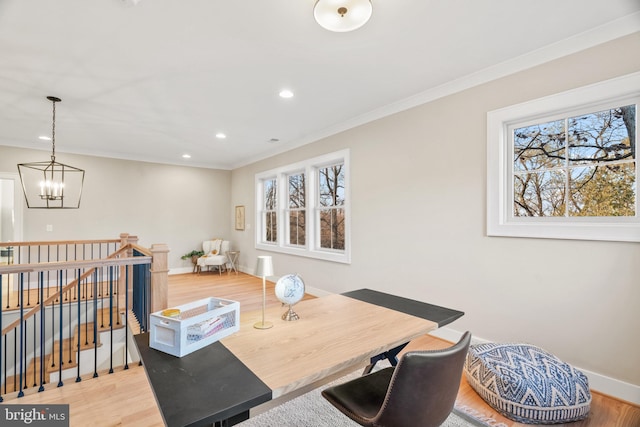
(312, 248)
(500, 219)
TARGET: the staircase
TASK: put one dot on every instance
(71, 354)
(51, 293)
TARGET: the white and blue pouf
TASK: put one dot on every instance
(527, 384)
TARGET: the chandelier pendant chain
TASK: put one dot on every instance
(53, 100)
(53, 134)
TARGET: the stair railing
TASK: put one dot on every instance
(50, 311)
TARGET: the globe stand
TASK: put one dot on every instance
(289, 290)
(290, 314)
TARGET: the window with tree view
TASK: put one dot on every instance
(331, 206)
(577, 166)
(564, 166)
(270, 214)
(296, 212)
(309, 215)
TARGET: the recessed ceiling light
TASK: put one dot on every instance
(286, 93)
(220, 135)
(44, 138)
(186, 156)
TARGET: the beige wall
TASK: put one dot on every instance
(179, 206)
(418, 227)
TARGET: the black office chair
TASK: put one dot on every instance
(420, 391)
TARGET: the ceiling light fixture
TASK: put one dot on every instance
(49, 184)
(342, 15)
(220, 135)
(286, 93)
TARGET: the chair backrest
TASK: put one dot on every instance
(424, 386)
(216, 244)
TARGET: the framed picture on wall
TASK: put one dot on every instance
(239, 217)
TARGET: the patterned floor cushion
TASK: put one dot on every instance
(527, 384)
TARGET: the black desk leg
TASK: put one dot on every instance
(231, 421)
(392, 355)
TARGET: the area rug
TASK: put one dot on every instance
(312, 410)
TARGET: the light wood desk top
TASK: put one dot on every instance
(333, 333)
(224, 380)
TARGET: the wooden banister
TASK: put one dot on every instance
(91, 264)
(57, 242)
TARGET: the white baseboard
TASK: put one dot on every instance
(316, 292)
(597, 382)
(181, 270)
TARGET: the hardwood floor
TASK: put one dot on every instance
(125, 398)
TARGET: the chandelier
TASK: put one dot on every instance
(342, 15)
(50, 184)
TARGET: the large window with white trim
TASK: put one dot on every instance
(309, 216)
(566, 166)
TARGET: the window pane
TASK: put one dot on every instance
(331, 185)
(297, 228)
(271, 227)
(603, 136)
(297, 191)
(603, 191)
(540, 146)
(270, 194)
(332, 228)
(601, 168)
(539, 194)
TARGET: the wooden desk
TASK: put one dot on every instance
(333, 333)
(252, 366)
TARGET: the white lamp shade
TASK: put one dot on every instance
(342, 15)
(264, 267)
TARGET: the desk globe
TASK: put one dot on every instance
(289, 290)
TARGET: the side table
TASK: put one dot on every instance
(232, 256)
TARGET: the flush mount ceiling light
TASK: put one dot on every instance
(49, 184)
(342, 15)
(285, 93)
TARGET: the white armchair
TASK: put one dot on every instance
(214, 255)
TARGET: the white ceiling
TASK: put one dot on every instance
(158, 79)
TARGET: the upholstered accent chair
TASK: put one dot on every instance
(214, 255)
(420, 391)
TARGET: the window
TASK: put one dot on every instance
(331, 206)
(565, 166)
(310, 218)
(269, 210)
(296, 230)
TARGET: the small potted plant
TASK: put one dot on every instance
(194, 255)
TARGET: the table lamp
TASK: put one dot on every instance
(264, 268)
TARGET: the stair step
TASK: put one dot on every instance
(86, 336)
(103, 319)
(32, 378)
(69, 353)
